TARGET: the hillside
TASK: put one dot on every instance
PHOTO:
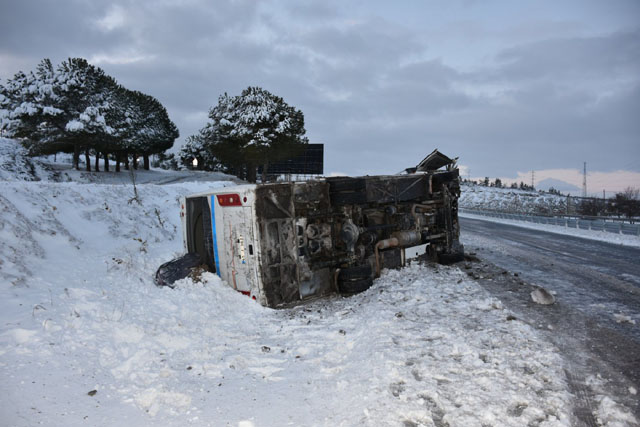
(15, 165)
(511, 200)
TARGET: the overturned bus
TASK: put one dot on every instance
(285, 242)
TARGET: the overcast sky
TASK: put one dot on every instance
(509, 87)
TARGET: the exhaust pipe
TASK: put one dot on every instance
(397, 239)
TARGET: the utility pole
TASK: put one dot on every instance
(533, 179)
(584, 180)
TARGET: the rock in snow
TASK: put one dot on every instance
(542, 296)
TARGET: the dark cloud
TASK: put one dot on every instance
(378, 91)
(601, 57)
(32, 27)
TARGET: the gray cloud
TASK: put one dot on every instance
(378, 91)
(600, 58)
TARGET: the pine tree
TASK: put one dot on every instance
(253, 129)
(59, 110)
(197, 147)
(77, 107)
(31, 106)
(146, 127)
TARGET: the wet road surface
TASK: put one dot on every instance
(597, 288)
(598, 278)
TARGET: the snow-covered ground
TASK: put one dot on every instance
(511, 200)
(15, 165)
(86, 338)
(603, 236)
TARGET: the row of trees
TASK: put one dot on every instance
(76, 107)
(246, 132)
(625, 203)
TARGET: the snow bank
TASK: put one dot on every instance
(511, 200)
(87, 338)
(15, 165)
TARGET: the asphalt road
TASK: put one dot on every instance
(599, 278)
(595, 321)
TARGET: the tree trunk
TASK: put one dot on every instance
(106, 162)
(239, 170)
(126, 160)
(265, 168)
(146, 161)
(76, 157)
(134, 161)
(97, 161)
(117, 161)
(251, 173)
(87, 159)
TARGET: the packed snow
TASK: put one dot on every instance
(82, 314)
(88, 339)
(16, 166)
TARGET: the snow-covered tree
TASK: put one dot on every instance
(85, 93)
(59, 110)
(254, 128)
(140, 126)
(165, 161)
(78, 107)
(151, 131)
(12, 94)
(29, 105)
(198, 147)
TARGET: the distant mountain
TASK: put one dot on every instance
(559, 185)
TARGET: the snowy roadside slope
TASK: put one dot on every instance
(15, 165)
(511, 200)
(80, 314)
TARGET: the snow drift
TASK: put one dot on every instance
(81, 313)
(88, 339)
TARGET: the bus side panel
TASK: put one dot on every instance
(235, 246)
(216, 224)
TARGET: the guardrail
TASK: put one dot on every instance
(577, 223)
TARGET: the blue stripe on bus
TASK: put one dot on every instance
(215, 235)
